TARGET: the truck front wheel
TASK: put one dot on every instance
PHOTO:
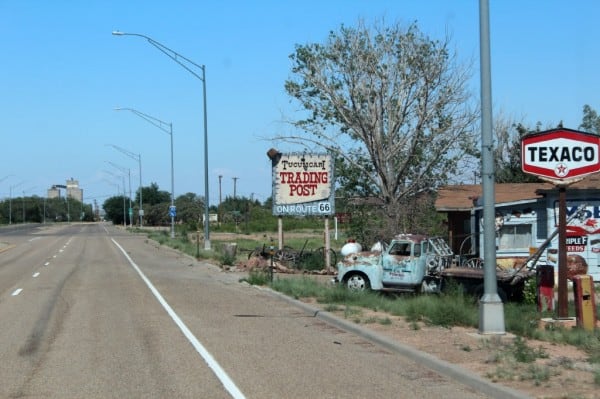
(357, 282)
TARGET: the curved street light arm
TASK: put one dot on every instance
(155, 121)
(175, 56)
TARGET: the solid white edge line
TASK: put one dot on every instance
(17, 291)
(208, 358)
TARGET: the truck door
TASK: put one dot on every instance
(399, 263)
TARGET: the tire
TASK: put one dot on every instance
(286, 256)
(332, 255)
(357, 282)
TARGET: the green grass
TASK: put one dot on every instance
(451, 308)
(445, 310)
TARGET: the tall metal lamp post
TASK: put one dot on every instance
(138, 158)
(10, 201)
(181, 60)
(124, 193)
(123, 170)
(162, 126)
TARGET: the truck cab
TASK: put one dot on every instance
(406, 264)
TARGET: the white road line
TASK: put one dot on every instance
(17, 292)
(36, 274)
(46, 264)
(208, 358)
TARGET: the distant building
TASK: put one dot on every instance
(53, 192)
(72, 190)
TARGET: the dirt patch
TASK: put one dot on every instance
(556, 371)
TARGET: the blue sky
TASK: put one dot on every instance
(63, 73)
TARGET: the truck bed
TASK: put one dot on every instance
(509, 275)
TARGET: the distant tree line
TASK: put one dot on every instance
(35, 209)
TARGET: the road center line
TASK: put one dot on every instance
(36, 274)
(208, 358)
(17, 291)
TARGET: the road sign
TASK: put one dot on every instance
(560, 155)
(172, 211)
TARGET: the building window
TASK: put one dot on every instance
(514, 237)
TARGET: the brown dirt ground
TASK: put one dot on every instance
(562, 372)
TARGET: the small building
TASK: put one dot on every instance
(526, 215)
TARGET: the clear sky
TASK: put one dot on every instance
(62, 73)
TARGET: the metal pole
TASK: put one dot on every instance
(220, 201)
(172, 183)
(161, 125)
(180, 59)
(141, 211)
(124, 203)
(563, 300)
(207, 222)
(130, 218)
(491, 311)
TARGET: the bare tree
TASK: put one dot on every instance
(393, 107)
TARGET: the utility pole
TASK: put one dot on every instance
(235, 179)
(220, 201)
(220, 198)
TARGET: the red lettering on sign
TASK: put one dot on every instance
(303, 177)
(303, 190)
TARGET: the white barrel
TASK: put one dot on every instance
(350, 248)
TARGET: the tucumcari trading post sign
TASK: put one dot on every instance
(560, 156)
(303, 185)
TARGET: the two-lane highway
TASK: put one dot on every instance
(90, 311)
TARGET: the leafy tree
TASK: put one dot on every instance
(113, 208)
(391, 105)
(152, 195)
(157, 215)
(591, 120)
(507, 152)
(190, 208)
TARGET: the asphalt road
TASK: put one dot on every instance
(91, 311)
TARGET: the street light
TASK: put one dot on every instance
(23, 202)
(161, 125)
(177, 58)
(138, 158)
(10, 201)
(124, 192)
(5, 177)
(122, 169)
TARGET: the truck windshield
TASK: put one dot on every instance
(400, 248)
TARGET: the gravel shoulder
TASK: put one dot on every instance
(558, 371)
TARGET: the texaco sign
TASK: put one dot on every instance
(561, 156)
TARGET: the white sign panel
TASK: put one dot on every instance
(303, 185)
(560, 155)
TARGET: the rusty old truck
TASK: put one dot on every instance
(421, 264)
